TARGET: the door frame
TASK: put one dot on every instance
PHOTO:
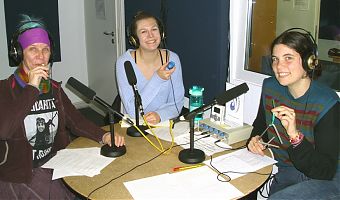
(120, 26)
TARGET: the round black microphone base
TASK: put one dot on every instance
(113, 151)
(133, 132)
(191, 156)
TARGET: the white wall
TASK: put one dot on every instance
(72, 44)
(238, 24)
(5, 70)
(304, 14)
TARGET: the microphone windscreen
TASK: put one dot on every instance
(81, 88)
(232, 93)
(130, 73)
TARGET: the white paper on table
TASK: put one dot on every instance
(206, 144)
(241, 161)
(86, 161)
(124, 124)
(163, 133)
(197, 183)
(60, 173)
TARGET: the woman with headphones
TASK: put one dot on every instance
(300, 116)
(35, 119)
(161, 89)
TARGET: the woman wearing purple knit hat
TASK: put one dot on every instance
(35, 116)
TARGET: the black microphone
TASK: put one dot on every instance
(82, 89)
(131, 76)
(89, 95)
(130, 73)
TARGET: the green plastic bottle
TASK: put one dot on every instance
(196, 100)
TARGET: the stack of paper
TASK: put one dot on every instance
(77, 162)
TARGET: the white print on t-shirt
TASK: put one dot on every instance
(41, 126)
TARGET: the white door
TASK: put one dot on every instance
(102, 46)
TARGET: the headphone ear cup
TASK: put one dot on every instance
(162, 35)
(15, 53)
(133, 41)
(310, 62)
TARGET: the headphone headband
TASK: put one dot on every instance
(306, 32)
(310, 60)
(15, 50)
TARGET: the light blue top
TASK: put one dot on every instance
(156, 93)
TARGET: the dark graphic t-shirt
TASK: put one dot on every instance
(41, 127)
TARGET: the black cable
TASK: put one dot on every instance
(124, 174)
(88, 196)
(173, 94)
(217, 141)
(203, 133)
(225, 174)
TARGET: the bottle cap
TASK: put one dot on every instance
(196, 90)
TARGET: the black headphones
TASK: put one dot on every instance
(132, 35)
(15, 50)
(310, 59)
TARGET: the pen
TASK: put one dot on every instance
(175, 169)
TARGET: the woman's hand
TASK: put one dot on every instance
(152, 117)
(36, 74)
(255, 146)
(119, 140)
(165, 73)
(287, 117)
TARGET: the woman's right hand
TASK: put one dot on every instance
(35, 75)
(255, 146)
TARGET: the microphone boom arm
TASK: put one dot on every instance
(107, 106)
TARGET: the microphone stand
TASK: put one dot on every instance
(132, 131)
(113, 150)
(191, 155)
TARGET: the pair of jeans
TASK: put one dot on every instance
(289, 183)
